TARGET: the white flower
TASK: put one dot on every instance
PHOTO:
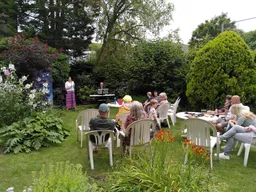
(31, 96)
(34, 106)
(27, 86)
(45, 91)
(45, 84)
(30, 103)
(38, 79)
(21, 80)
(3, 69)
(33, 91)
(1, 79)
(11, 67)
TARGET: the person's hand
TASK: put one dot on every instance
(247, 129)
(232, 122)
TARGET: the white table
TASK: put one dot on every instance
(113, 105)
(206, 117)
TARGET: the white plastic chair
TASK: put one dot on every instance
(100, 141)
(140, 134)
(122, 118)
(173, 110)
(162, 112)
(247, 147)
(172, 104)
(82, 122)
(202, 133)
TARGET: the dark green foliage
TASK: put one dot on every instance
(156, 65)
(148, 66)
(60, 69)
(32, 133)
(8, 18)
(223, 66)
(62, 24)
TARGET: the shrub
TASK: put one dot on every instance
(223, 66)
(32, 133)
(62, 177)
(18, 100)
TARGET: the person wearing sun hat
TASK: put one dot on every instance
(126, 106)
(102, 122)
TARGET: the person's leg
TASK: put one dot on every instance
(232, 132)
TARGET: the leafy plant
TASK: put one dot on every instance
(162, 174)
(62, 177)
(32, 133)
(84, 92)
(18, 100)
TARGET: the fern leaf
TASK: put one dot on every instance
(17, 149)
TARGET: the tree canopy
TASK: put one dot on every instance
(61, 23)
(129, 20)
(210, 29)
(223, 66)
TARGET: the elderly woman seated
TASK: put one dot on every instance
(163, 98)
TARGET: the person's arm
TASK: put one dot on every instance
(240, 120)
(92, 125)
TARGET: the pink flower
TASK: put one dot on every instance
(7, 73)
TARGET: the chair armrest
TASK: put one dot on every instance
(122, 133)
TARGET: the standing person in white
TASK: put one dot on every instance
(70, 96)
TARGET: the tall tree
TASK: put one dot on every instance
(8, 18)
(130, 20)
(61, 23)
(210, 29)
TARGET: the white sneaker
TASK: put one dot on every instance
(223, 156)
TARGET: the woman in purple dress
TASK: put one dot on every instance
(70, 96)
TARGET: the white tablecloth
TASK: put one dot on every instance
(184, 115)
(114, 105)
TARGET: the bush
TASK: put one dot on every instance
(222, 67)
(18, 100)
(62, 177)
(32, 133)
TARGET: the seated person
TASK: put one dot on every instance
(156, 96)
(240, 133)
(149, 97)
(101, 122)
(137, 112)
(127, 103)
(222, 123)
(163, 98)
(244, 117)
(222, 110)
(153, 113)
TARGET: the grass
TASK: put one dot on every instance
(16, 170)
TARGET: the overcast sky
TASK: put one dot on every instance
(188, 14)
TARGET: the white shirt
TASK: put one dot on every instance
(70, 86)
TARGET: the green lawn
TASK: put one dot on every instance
(16, 170)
